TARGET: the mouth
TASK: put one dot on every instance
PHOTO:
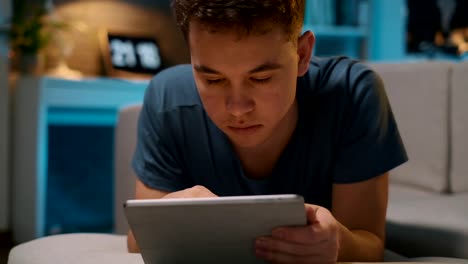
(245, 130)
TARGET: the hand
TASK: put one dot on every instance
(318, 242)
(194, 192)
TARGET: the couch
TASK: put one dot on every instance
(428, 203)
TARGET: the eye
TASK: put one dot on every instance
(261, 80)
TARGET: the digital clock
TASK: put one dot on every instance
(130, 55)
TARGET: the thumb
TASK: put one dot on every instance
(311, 213)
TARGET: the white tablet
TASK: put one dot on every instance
(209, 230)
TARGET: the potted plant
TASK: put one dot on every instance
(29, 36)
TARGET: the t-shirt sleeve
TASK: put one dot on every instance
(156, 160)
(369, 143)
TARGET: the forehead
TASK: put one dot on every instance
(199, 29)
(226, 53)
(212, 43)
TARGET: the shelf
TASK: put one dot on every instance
(82, 117)
(45, 105)
(336, 31)
(380, 35)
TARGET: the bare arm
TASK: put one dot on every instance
(144, 192)
(361, 208)
(354, 232)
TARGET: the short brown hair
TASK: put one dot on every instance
(245, 16)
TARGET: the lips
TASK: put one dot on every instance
(245, 130)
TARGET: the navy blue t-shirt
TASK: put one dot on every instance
(345, 133)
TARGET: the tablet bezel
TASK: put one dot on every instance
(248, 199)
(170, 231)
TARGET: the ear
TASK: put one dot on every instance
(305, 46)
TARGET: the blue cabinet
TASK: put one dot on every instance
(80, 115)
(377, 32)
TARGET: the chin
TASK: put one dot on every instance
(246, 142)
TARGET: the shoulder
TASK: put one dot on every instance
(342, 77)
(172, 88)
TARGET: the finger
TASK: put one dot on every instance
(311, 234)
(201, 191)
(276, 245)
(311, 213)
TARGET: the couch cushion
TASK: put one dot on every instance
(434, 260)
(424, 224)
(100, 248)
(399, 194)
(103, 249)
(74, 248)
(125, 142)
(459, 172)
(418, 94)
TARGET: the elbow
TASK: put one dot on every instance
(362, 246)
(132, 246)
(379, 251)
(376, 249)
(132, 249)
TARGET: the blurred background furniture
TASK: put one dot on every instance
(4, 145)
(428, 212)
(93, 247)
(125, 142)
(5, 12)
(63, 127)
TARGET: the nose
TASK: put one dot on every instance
(239, 103)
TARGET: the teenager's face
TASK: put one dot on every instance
(247, 84)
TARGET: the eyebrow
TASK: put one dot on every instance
(205, 69)
(268, 66)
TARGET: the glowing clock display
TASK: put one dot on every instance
(134, 54)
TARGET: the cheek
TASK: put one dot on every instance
(211, 101)
(213, 105)
(281, 98)
(278, 103)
